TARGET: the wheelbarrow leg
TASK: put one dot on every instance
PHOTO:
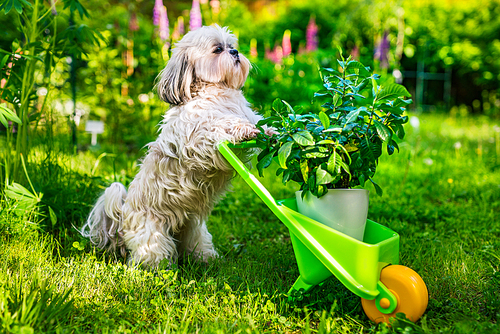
(299, 285)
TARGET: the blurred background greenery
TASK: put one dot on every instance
(66, 64)
(445, 52)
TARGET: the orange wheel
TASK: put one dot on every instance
(409, 289)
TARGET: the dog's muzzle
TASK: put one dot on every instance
(235, 54)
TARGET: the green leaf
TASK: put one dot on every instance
(333, 129)
(319, 94)
(284, 153)
(332, 164)
(26, 201)
(303, 138)
(378, 190)
(325, 120)
(3, 121)
(323, 177)
(53, 217)
(352, 116)
(17, 191)
(402, 102)
(383, 131)
(375, 87)
(8, 114)
(4, 60)
(394, 144)
(304, 169)
(264, 162)
(392, 91)
(18, 7)
(400, 131)
(345, 167)
(277, 105)
(390, 149)
(337, 100)
(326, 142)
(356, 65)
(370, 151)
(288, 106)
(311, 181)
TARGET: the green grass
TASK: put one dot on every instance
(443, 198)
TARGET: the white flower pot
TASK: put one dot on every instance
(345, 210)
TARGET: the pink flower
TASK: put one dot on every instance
(195, 16)
(276, 55)
(312, 35)
(287, 45)
(157, 12)
(164, 30)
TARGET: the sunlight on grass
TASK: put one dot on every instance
(443, 200)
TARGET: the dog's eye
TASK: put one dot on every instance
(218, 49)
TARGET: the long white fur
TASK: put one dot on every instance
(183, 175)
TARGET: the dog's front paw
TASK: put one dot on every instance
(270, 132)
(244, 131)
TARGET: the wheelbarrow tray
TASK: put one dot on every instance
(322, 251)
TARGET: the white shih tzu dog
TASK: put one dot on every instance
(183, 175)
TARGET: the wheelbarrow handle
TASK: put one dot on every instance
(225, 148)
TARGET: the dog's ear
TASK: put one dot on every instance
(174, 86)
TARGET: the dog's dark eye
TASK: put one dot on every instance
(218, 49)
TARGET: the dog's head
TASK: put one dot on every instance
(207, 54)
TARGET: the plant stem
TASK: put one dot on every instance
(30, 35)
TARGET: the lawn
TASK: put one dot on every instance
(441, 194)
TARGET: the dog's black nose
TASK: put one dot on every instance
(233, 52)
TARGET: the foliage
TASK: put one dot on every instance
(294, 80)
(36, 306)
(337, 147)
(463, 37)
(42, 44)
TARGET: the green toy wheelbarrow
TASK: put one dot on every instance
(368, 268)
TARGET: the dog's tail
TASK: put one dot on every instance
(103, 226)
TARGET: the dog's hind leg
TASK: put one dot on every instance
(196, 240)
(149, 242)
(103, 225)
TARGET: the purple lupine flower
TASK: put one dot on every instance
(164, 29)
(180, 22)
(195, 16)
(312, 35)
(287, 44)
(382, 51)
(157, 11)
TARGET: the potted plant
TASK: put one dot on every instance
(336, 149)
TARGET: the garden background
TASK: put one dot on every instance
(64, 64)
